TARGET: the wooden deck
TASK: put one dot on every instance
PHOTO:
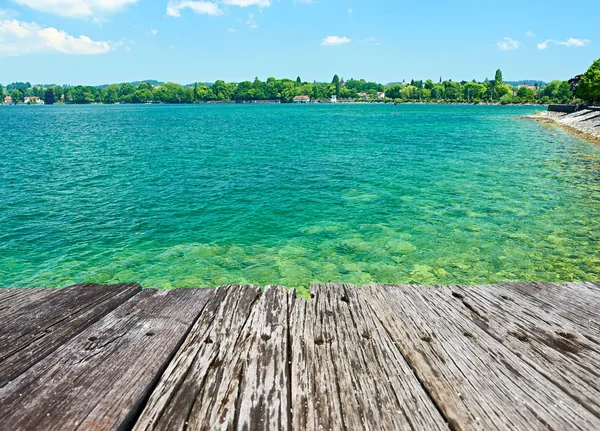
(520, 356)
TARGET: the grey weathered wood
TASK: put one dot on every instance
(508, 356)
(264, 385)
(478, 379)
(30, 332)
(565, 352)
(201, 387)
(99, 379)
(346, 370)
(12, 299)
(575, 302)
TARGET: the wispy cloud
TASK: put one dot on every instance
(335, 40)
(77, 8)
(370, 40)
(246, 3)
(17, 38)
(569, 42)
(8, 14)
(153, 32)
(251, 21)
(174, 7)
(508, 44)
(530, 34)
(350, 11)
(231, 30)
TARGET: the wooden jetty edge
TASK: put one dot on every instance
(514, 356)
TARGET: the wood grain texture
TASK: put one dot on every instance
(200, 388)
(100, 379)
(346, 371)
(31, 332)
(565, 351)
(516, 356)
(575, 302)
(12, 299)
(477, 377)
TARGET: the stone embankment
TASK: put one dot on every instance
(584, 123)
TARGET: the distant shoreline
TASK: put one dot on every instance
(265, 102)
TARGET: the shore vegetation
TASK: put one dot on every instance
(583, 88)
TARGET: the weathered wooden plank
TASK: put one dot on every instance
(100, 379)
(575, 302)
(477, 379)
(201, 387)
(346, 370)
(559, 349)
(31, 332)
(12, 299)
(264, 386)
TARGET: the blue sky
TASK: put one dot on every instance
(103, 41)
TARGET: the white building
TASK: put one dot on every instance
(33, 100)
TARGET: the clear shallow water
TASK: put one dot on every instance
(182, 196)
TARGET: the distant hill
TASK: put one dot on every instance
(527, 82)
(199, 83)
(135, 83)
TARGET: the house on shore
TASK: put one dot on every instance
(8, 100)
(301, 99)
(33, 100)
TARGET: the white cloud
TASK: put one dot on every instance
(335, 40)
(153, 32)
(530, 34)
(18, 38)
(569, 42)
(246, 3)
(251, 21)
(508, 44)
(174, 8)
(350, 11)
(231, 30)
(77, 8)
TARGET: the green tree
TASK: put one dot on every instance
(526, 94)
(506, 99)
(502, 90)
(49, 98)
(498, 80)
(17, 95)
(111, 94)
(22, 86)
(222, 90)
(589, 84)
(336, 83)
(298, 81)
(563, 94)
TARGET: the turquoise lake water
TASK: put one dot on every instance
(188, 196)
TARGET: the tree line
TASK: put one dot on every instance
(583, 88)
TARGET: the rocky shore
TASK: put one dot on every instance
(584, 123)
